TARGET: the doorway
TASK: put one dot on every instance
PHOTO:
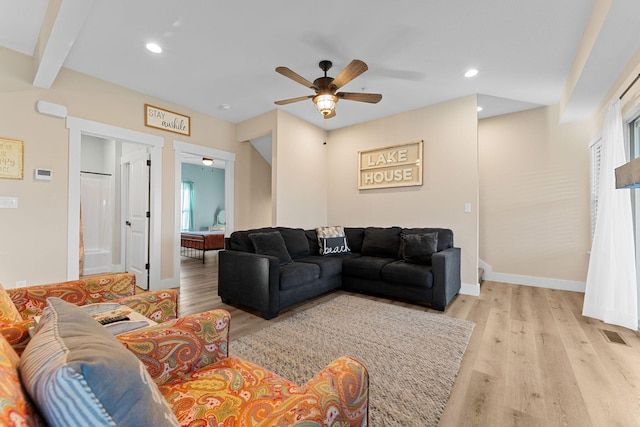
(153, 146)
(135, 168)
(223, 160)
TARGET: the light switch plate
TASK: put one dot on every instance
(467, 207)
(8, 202)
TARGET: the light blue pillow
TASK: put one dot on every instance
(78, 374)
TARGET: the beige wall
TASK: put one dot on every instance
(449, 131)
(535, 195)
(34, 236)
(298, 171)
(301, 173)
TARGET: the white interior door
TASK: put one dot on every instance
(137, 215)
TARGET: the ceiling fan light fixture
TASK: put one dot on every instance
(325, 103)
(207, 161)
(154, 47)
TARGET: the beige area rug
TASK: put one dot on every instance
(412, 356)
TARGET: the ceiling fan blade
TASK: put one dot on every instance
(372, 98)
(292, 100)
(350, 72)
(295, 77)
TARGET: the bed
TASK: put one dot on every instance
(194, 244)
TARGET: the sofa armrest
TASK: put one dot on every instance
(17, 334)
(159, 306)
(337, 395)
(31, 300)
(250, 279)
(180, 346)
(446, 276)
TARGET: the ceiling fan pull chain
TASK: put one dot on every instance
(324, 129)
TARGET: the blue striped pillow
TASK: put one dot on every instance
(78, 374)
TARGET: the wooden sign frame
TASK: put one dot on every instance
(159, 118)
(391, 166)
(11, 159)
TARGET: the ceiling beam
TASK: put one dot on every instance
(62, 23)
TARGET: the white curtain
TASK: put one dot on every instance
(611, 292)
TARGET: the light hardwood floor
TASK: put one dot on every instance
(533, 359)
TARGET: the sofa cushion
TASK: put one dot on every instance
(381, 242)
(329, 266)
(312, 240)
(296, 241)
(271, 243)
(15, 407)
(8, 311)
(365, 267)
(355, 236)
(298, 273)
(78, 374)
(240, 241)
(418, 248)
(408, 274)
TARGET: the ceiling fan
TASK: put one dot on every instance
(325, 87)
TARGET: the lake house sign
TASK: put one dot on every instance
(394, 166)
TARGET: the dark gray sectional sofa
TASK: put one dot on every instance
(263, 271)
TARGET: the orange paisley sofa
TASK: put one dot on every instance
(19, 306)
(187, 362)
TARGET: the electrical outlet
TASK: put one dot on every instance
(21, 283)
(9, 202)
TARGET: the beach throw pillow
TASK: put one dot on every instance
(332, 240)
(78, 374)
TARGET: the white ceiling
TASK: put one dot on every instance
(218, 53)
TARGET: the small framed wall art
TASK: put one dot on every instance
(392, 166)
(11, 159)
(159, 118)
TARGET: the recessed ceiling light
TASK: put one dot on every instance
(479, 108)
(471, 72)
(154, 47)
(225, 107)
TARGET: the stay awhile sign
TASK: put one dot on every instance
(166, 120)
(393, 166)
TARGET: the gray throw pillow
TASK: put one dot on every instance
(381, 242)
(418, 248)
(271, 243)
(78, 374)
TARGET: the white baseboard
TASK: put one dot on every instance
(172, 282)
(538, 282)
(470, 289)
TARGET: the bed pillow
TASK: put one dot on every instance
(8, 311)
(418, 248)
(271, 243)
(78, 374)
(332, 240)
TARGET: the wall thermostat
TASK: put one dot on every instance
(43, 174)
